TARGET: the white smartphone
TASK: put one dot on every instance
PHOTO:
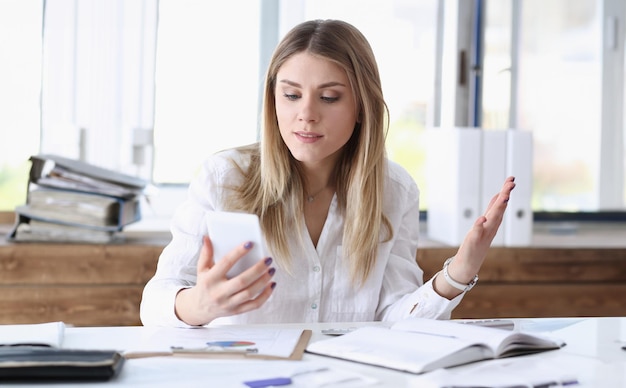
(228, 230)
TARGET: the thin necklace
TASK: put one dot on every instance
(311, 197)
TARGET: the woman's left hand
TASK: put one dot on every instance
(473, 250)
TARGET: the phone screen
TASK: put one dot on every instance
(230, 229)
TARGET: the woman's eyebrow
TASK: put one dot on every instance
(290, 83)
(322, 86)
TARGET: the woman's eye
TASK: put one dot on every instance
(291, 97)
(329, 99)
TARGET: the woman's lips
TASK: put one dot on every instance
(308, 137)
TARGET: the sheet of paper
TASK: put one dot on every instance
(266, 341)
(505, 373)
(48, 334)
(468, 333)
(197, 372)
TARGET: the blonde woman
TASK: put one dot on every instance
(340, 220)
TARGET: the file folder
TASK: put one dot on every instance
(453, 176)
(465, 168)
(493, 168)
(518, 219)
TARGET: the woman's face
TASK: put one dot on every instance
(315, 107)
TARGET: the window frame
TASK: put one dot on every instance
(612, 136)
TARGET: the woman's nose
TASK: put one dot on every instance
(308, 110)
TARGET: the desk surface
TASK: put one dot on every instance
(593, 354)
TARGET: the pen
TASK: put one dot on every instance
(279, 381)
(557, 384)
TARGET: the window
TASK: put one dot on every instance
(207, 83)
(20, 85)
(549, 68)
(151, 87)
(209, 79)
(407, 67)
(206, 96)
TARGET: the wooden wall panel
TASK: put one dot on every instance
(538, 265)
(101, 285)
(541, 282)
(547, 300)
(79, 306)
(77, 264)
(80, 284)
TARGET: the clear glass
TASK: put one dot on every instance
(496, 88)
(207, 83)
(558, 96)
(403, 37)
(20, 77)
(206, 93)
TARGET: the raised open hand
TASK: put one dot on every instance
(473, 250)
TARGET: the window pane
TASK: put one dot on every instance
(207, 82)
(403, 37)
(20, 77)
(559, 100)
(497, 66)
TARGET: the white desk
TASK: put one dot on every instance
(593, 354)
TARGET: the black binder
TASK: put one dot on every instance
(52, 364)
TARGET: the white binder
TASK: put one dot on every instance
(453, 176)
(518, 218)
(465, 168)
(493, 168)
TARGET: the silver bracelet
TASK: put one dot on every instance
(454, 283)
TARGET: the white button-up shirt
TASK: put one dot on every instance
(319, 288)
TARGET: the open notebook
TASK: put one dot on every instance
(419, 345)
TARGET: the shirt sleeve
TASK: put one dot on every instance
(176, 268)
(404, 293)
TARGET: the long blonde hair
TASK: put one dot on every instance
(273, 186)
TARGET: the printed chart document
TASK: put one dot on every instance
(419, 345)
(224, 342)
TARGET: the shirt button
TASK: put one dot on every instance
(314, 306)
(316, 268)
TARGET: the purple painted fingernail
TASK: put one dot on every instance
(268, 261)
(248, 245)
(272, 271)
(273, 285)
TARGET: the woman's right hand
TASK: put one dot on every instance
(215, 295)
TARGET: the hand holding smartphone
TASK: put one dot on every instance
(230, 229)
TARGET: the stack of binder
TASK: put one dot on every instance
(465, 168)
(72, 201)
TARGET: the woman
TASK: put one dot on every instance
(340, 220)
